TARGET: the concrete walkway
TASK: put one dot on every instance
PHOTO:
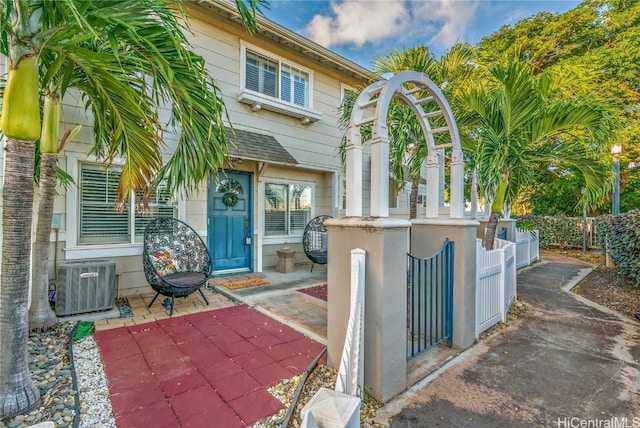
(566, 362)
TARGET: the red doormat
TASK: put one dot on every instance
(319, 292)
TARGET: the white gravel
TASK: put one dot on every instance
(95, 406)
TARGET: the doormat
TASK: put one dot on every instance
(319, 292)
(253, 282)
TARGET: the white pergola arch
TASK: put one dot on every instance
(378, 95)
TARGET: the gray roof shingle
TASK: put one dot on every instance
(258, 147)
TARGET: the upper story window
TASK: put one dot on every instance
(277, 79)
(100, 222)
(275, 84)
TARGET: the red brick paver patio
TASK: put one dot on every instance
(319, 292)
(207, 369)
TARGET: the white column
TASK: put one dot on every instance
(457, 185)
(433, 179)
(354, 181)
(474, 194)
(380, 176)
(441, 177)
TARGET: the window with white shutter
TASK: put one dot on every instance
(101, 222)
(276, 79)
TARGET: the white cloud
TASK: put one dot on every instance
(359, 22)
(452, 18)
(439, 22)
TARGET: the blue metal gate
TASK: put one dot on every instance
(430, 300)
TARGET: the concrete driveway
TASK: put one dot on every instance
(566, 362)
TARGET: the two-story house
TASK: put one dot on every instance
(282, 93)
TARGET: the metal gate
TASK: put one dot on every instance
(430, 300)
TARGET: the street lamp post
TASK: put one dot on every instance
(616, 149)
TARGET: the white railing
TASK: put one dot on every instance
(495, 283)
(527, 247)
(341, 407)
(351, 371)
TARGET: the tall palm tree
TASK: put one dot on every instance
(127, 58)
(20, 124)
(512, 126)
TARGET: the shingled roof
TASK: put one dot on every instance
(258, 147)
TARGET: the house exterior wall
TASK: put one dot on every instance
(314, 145)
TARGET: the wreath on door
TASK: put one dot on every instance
(230, 199)
(230, 190)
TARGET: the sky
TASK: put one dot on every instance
(361, 30)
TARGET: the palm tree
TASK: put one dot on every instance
(408, 147)
(127, 58)
(20, 124)
(513, 126)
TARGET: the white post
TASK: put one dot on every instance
(474, 194)
(351, 371)
(456, 190)
(479, 267)
(341, 407)
(433, 178)
(380, 176)
(354, 181)
(441, 178)
(503, 283)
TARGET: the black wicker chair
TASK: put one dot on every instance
(314, 240)
(176, 261)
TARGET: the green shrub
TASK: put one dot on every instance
(557, 230)
(620, 235)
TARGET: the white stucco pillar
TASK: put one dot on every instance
(385, 242)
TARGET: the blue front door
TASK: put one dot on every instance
(229, 233)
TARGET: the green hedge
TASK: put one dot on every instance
(557, 230)
(620, 235)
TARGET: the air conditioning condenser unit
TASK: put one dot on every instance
(85, 286)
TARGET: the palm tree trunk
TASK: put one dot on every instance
(490, 233)
(41, 316)
(413, 198)
(496, 210)
(18, 392)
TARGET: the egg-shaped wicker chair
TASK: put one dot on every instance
(314, 240)
(175, 259)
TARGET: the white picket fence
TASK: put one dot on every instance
(527, 247)
(495, 283)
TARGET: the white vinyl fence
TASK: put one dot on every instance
(495, 283)
(341, 407)
(351, 372)
(527, 247)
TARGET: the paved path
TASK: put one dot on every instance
(566, 361)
